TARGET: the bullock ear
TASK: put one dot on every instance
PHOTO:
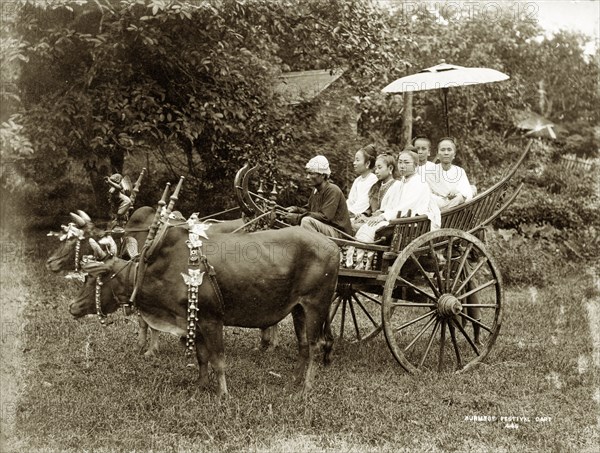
(131, 246)
(109, 242)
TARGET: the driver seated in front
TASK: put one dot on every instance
(327, 210)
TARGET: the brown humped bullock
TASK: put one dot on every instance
(63, 258)
(263, 277)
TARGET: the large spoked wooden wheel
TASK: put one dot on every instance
(355, 313)
(442, 303)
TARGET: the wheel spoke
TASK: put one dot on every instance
(449, 263)
(429, 282)
(442, 344)
(438, 275)
(463, 260)
(371, 298)
(466, 335)
(431, 321)
(416, 288)
(336, 307)
(480, 305)
(354, 321)
(475, 321)
(475, 290)
(365, 310)
(343, 318)
(455, 344)
(410, 323)
(412, 304)
(470, 276)
(430, 342)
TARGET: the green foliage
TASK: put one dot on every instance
(190, 83)
(189, 86)
(563, 199)
(531, 256)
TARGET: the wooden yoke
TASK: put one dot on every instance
(136, 187)
(156, 220)
(164, 219)
(141, 267)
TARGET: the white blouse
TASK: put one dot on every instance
(358, 199)
(443, 183)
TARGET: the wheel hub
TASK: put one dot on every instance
(448, 306)
(344, 290)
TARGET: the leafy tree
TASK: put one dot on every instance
(190, 83)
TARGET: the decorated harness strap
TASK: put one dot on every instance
(198, 266)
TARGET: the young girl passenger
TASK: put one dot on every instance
(358, 199)
(382, 197)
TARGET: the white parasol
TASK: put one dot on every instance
(444, 76)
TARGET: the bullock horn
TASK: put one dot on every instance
(112, 246)
(98, 252)
(78, 220)
(84, 216)
(109, 242)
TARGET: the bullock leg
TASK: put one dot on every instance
(212, 336)
(328, 341)
(315, 324)
(202, 355)
(269, 338)
(153, 347)
(299, 319)
(142, 333)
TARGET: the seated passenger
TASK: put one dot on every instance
(422, 147)
(358, 199)
(326, 211)
(449, 184)
(409, 196)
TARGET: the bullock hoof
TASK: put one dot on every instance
(150, 354)
(222, 396)
(203, 382)
(267, 346)
(477, 335)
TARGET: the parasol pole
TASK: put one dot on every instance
(445, 91)
(407, 118)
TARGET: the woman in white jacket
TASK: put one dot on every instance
(409, 196)
(358, 199)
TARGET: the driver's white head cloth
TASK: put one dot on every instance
(319, 164)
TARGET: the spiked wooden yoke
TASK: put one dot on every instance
(255, 204)
(471, 216)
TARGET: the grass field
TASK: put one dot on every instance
(75, 386)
